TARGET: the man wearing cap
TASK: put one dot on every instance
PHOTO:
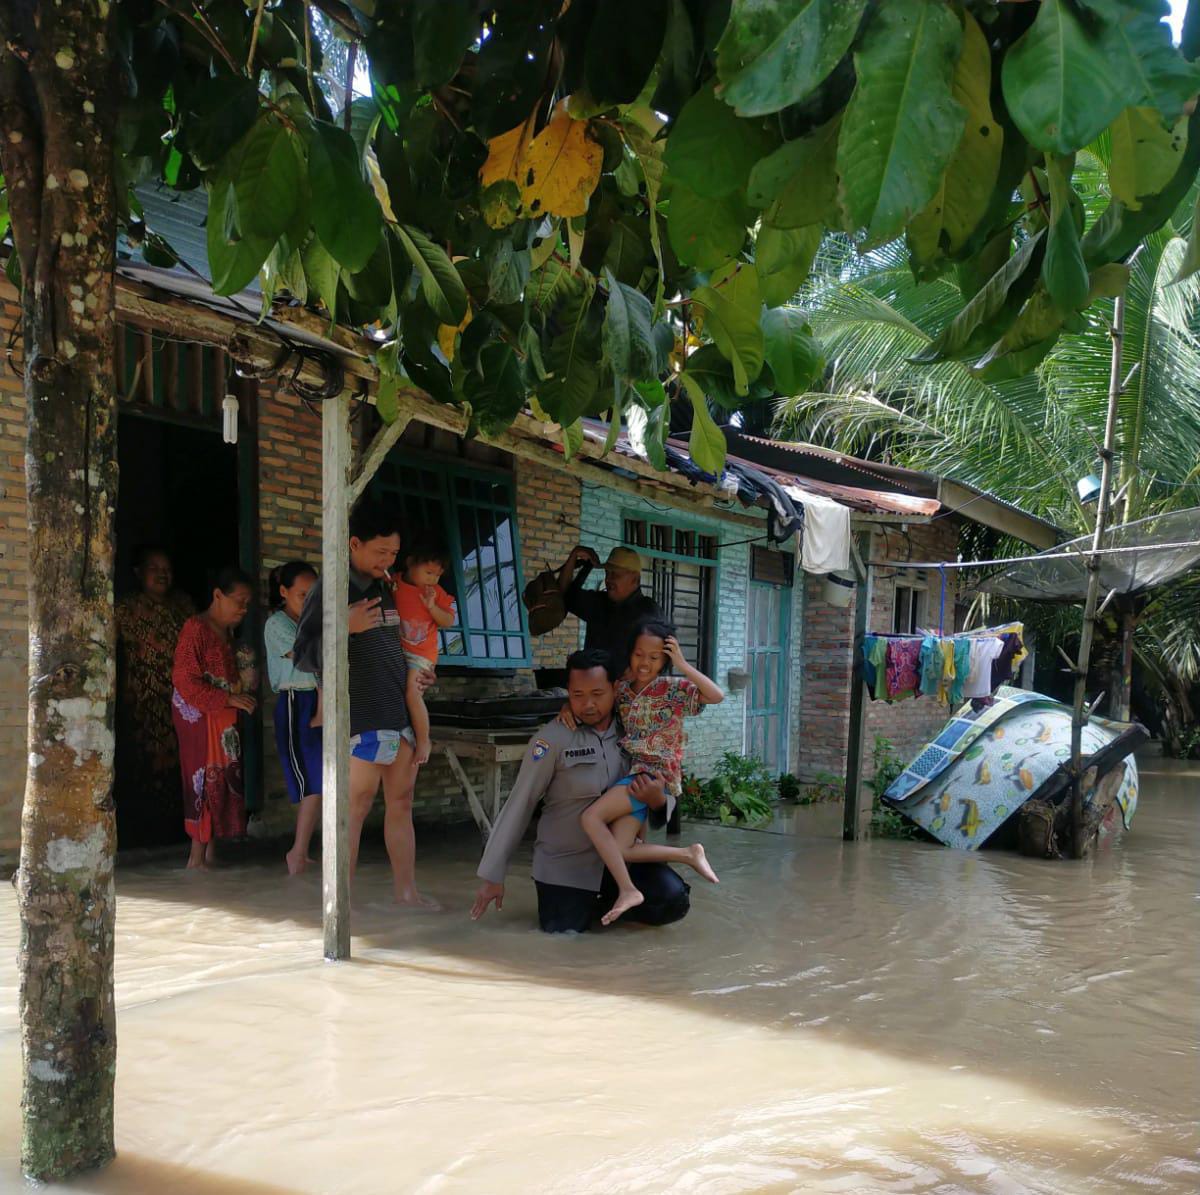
(611, 613)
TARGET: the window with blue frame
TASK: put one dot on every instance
(473, 511)
(679, 571)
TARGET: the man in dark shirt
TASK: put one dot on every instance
(381, 737)
(611, 613)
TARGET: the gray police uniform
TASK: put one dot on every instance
(567, 770)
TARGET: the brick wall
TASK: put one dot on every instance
(829, 632)
(14, 641)
(720, 728)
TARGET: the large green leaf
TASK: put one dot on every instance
(496, 391)
(706, 445)
(345, 212)
(572, 358)
(322, 272)
(627, 337)
(1010, 285)
(774, 53)
(441, 286)
(219, 112)
(622, 47)
(709, 367)
(441, 33)
(784, 257)
(677, 65)
(649, 158)
(965, 192)
(711, 149)
(1060, 87)
(268, 166)
(1138, 47)
(508, 272)
(798, 182)
(1191, 257)
(791, 350)
(1063, 271)
(705, 233)
(731, 306)
(1145, 154)
(233, 256)
(902, 124)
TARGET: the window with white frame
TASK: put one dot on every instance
(679, 571)
(908, 610)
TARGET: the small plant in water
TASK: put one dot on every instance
(741, 791)
(885, 821)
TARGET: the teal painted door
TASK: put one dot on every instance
(768, 623)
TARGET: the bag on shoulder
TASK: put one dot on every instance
(544, 602)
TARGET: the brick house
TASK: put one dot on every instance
(741, 604)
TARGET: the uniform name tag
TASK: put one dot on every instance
(574, 755)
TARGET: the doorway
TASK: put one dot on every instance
(768, 627)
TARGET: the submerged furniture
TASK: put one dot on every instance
(988, 764)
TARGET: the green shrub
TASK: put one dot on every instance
(885, 821)
(789, 788)
(741, 791)
(825, 787)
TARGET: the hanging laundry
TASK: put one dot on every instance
(903, 667)
(962, 667)
(931, 666)
(983, 654)
(826, 544)
(1004, 668)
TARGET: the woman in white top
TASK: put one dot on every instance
(297, 739)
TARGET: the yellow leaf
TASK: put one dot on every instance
(505, 153)
(448, 334)
(560, 169)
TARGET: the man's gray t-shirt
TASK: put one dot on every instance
(569, 769)
(378, 671)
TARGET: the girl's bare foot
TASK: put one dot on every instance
(625, 901)
(701, 864)
(297, 862)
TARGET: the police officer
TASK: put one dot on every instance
(568, 770)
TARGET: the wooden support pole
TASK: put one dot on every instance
(335, 676)
(375, 455)
(852, 807)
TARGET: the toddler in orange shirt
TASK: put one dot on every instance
(423, 606)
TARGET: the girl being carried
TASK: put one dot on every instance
(652, 706)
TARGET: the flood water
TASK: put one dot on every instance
(883, 1017)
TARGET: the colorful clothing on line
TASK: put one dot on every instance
(962, 668)
(147, 760)
(418, 631)
(653, 720)
(903, 664)
(210, 750)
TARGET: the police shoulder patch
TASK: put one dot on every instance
(539, 749)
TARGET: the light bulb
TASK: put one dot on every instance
(229, 412)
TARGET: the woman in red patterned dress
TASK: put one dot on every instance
(205, 705)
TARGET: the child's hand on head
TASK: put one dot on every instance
(673, 650)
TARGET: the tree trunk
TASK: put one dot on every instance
(56, 109)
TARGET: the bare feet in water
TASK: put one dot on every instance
(414, 900)
(296, 862)
(624, 902)
(701, 864)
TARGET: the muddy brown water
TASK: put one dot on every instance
(881, 1017)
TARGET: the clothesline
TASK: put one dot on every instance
(925, 566)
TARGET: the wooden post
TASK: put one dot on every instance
(335, 676)
(1093, 589)
(852, 827)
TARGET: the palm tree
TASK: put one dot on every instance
(1031, 438)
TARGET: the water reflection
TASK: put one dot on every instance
(886, 1017)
